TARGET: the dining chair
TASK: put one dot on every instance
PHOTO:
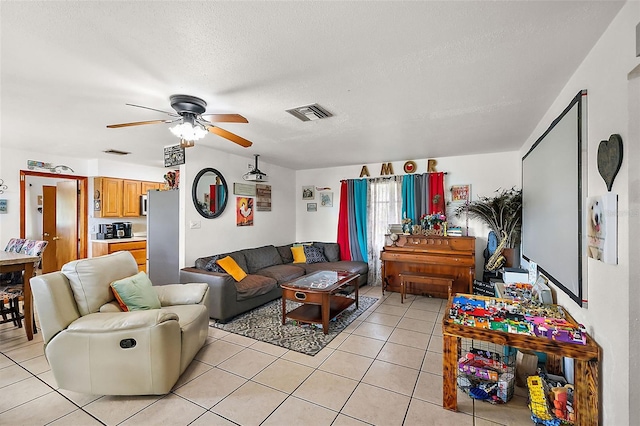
(12, 283)
(9, 303)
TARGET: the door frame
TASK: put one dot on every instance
(83, 202)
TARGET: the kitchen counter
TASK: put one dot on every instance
(120, 240)
(137, 246)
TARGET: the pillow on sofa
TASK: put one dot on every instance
(285, 253)
(314, 254)
(298, 254)
(135, 293)
(212, 265)
(331, 251)
(232, 268)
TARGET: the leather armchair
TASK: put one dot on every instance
(94, 347)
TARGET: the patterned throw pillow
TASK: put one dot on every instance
(212, 266)
(15, 245)
(314, 254)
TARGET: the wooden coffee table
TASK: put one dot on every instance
(318, 294)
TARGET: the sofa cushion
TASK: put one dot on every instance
(261, 257)
(282, 273)
(135, 293)
(314, 254)
(285, 253)
(254, 285)
(232, 268)
(331, 251)
(90, 278)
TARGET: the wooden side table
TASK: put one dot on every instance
(586, 363)
(436, 280)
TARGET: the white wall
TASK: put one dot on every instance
(221, 234)
(12, 161)
(604, 74)
(486, 173)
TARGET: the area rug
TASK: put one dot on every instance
(265, 324)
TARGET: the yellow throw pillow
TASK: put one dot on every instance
(232, 268)
(298, 254)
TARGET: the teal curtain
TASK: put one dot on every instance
(360, 191)
(409, 198)
(355, 224)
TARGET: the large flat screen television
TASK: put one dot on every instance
(553, 201)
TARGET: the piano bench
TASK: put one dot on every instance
(444, 281)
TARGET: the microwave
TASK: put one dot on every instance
(144, 203)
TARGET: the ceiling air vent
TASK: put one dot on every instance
(310, 112)
(116, 152)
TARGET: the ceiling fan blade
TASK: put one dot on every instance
(225, 118)
(173, 114)
(231, 136)
(137, 123)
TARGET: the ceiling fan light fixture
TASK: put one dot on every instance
(188, 131)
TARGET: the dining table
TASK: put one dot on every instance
(11, 262)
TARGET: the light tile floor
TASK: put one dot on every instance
(384, 369)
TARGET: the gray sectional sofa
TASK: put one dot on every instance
(267, 267)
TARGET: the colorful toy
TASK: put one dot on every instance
(537, 398)
(518, 317)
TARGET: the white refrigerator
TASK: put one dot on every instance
(163, 216)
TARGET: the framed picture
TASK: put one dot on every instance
(308, 192)
(326, 199)
(460, 193)
(173, 155)
(312, 207)
(263, 197)
(602, 228)
(245, 189)
(244, 211)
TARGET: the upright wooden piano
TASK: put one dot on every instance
(430, 255)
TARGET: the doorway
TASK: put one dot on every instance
(63, 211)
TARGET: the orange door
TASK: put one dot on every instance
(66, 222)
(49, 262)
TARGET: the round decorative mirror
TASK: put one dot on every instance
(209, 193)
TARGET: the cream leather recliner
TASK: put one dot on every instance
(94, 347)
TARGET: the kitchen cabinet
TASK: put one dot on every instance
(107, 197)
(149, 186)
(115, 197)
(137, 247)
(131, 198)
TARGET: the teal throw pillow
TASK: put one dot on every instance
(135, 293)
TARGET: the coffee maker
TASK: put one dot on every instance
(122, 230)
(105, 231)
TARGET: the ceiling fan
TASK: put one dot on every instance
(190, 122)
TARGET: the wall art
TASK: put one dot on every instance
(326, 199)
(263, 197)
(244, 211)
(602, 228)
(309, 192)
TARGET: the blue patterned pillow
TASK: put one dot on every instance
(212, 266)
(314, 254)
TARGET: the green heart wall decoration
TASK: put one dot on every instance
(610, 159)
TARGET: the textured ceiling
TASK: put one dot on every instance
(404, 80)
